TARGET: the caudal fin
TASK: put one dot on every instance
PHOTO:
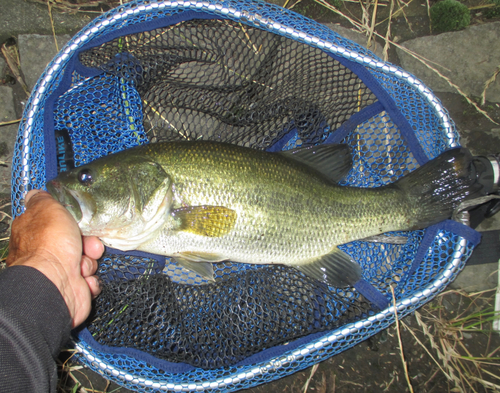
(438, 187)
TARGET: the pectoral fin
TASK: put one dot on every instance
(336, 269)
(211, 221)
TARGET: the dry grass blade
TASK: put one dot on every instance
(471, 367)
(75, 374)
(359, 26)
(11, 55)
(71, 7)
(293, 5)
(426, 330)
(426, 350)
(405, 366)
(401, 9)
(372, 25)
(313, 371)
(6, 123)
(388, 33)
(487, 384)
(428, 6)
(396, 13)
(52, 24)
(480, 7)
(488, 83)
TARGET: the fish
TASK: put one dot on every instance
(201, 202)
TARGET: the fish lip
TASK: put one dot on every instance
(65, 198)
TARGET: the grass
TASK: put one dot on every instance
(401, 351)
(470, 368)
(74, 380)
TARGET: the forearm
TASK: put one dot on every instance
(34, 324)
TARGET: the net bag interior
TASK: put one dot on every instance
(252, 74)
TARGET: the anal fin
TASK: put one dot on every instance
(199, 262)
(204, 269)
(335, 269)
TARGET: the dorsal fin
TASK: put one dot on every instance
(333, 160)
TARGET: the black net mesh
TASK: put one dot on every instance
(221, 80)
(218, 324)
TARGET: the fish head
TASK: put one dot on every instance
(115, 198)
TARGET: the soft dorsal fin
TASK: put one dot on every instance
(211, 221)
(332, 160)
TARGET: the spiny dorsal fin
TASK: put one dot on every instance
(211, 221)
(333, 161)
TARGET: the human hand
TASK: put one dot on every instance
(47, 238)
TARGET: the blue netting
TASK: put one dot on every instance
(103, 115)
(139, 74)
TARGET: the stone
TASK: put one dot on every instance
(468, 58)
(7, 137)
(28, 17)
(3, 66)
(36, 52)
(476, 278)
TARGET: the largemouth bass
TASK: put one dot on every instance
(203, 202)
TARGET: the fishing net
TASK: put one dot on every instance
(215, 325)
(256, 75)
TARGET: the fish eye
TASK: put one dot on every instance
(85, 177)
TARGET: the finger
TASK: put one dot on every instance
(93, 247)
(94, 286)
(33, 195)
(88, 266)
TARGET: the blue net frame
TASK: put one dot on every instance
(405, 119)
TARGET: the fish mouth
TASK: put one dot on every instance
(66, 198)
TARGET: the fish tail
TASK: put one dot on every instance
(439, 186)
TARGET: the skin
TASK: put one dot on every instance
(47, 238)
